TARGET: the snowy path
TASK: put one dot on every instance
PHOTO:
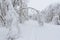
(30, 30)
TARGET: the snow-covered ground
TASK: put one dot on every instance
(3, 33)
(31, 30)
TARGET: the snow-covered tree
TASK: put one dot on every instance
(50, 11)
(34, 14)
(9, 19)
(23, 13)
(18, 6)
(3, 11)
(55, 20)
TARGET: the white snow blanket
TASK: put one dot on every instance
(31, 30)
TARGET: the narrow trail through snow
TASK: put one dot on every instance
(31, 30)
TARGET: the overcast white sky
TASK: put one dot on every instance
(41, 4)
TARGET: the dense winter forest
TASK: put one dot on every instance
(20, 22)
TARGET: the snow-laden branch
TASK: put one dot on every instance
(35, 14)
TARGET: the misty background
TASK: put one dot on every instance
(41, 4)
